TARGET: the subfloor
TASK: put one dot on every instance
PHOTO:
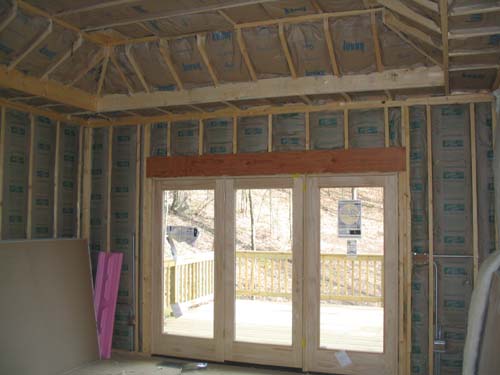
(132, 364)
(345, 327)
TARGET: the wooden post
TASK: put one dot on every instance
(56, 180)
(308, 131)
(109, 172)
(137, 241)
(386, 127)
(346, 129)
(200, 137)
(30, 176)
(235, 134)
(79, 179)
(3, 127)
(431, 238)
(86, 183)
(269, 133)
(473, 153)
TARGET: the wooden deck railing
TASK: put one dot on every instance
(269, 274)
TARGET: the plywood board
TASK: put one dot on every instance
(47, 317)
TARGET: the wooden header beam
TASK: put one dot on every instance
(391, 159)
(48, 89)
(279, 87)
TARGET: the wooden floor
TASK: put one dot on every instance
(358, 328)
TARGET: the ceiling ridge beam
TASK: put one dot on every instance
(403, 10)
(74, 47)
(137, 69)
(10, 17)
(279, 87)
(181, 13)
(165, 53)
(392, 21)
(201, 43)
(48, 89)
(286, 50)
(31, 47)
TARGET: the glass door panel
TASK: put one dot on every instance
(188, 262)
(263, 266)
(351, 267)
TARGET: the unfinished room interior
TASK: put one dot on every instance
(249, 187)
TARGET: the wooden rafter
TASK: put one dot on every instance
(329, 45)
(479, 52)
(180, 13)
(245, 55)
(104, 70)
(74, 47)
(96, 59)
(31, 47)
(89, 8)
(137, 69)
(165, 53)
(316, 6)
(201, 43)
(427, 4)
(496, 84)
(376, 43)
(400, 8)
(231, 105)
(474, 32)
(38, 12)
(473, 9)
(226, 17)
(394, 23)
(417, 48)
(10, 17)
(124, 79)
(443, 10)
(461, 68)
(47, 89)
(286, 51)
(279, 87)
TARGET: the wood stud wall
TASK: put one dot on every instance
(144, 202)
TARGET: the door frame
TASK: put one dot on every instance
(321, 359)
(211, 349)
(267, 354)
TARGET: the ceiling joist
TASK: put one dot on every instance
(427, 4)
(279, 87)
(468, 10)
(474, 32)
(48, 89)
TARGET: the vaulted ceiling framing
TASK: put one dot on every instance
(115, 58)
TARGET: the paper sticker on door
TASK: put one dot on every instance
(349, 222)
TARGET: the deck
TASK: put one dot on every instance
(346, 327)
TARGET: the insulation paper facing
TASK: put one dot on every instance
(226, 57)
(185, 137)
(68, 180)
(353, 44)
(252, 134)
(420, 320)
(188, 62)
(452, 189)
(307, 43)
(395, 127)
(485, 182)
(366, 128)
(42, 213)
(327, 130)
(15, 174)
(158, 139)
(289, 132)
(218, 136)
(123, 223)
